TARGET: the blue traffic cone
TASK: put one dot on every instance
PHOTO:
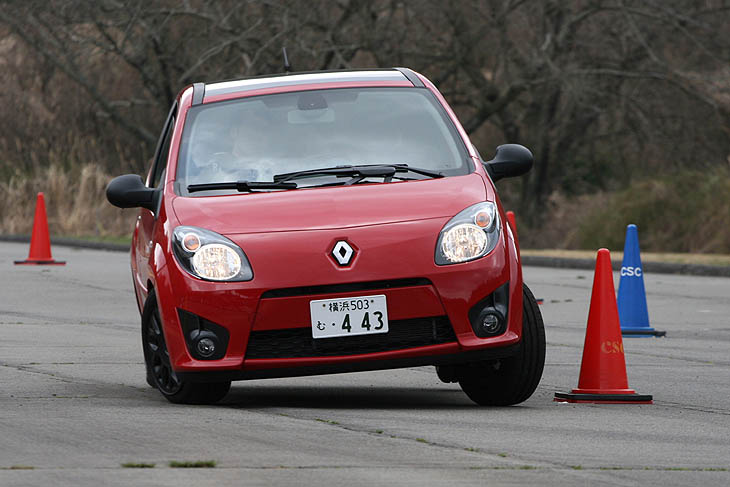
(631, 300)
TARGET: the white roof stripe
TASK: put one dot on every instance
(225, 87)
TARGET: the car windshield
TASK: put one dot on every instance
(257, 138)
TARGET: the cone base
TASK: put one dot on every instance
(574, 397)
(603, 390)
(642, 332)
(39, 262)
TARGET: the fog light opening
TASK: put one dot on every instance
(491, 323)
(205, 347)
(204, 339)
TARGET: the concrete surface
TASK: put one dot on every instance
(74, 405)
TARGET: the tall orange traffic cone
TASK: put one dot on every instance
(603, 370)
(40, 242)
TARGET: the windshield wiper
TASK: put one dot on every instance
(241, 186)
(418, 170)
(339, 171)
(365, 171)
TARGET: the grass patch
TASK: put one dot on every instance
(421, 440)
(576, 467)
(380, 432)
(138, 465)
(18, 467)
(328, 421)
(471, 449)
(195, 464)
(501, 455)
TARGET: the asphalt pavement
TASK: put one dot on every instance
(74, 405)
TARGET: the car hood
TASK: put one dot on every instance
(332, 207)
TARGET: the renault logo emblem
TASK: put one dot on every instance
(342, 253)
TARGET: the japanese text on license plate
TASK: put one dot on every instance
(362, 315)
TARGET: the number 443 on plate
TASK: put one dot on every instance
(361, 315)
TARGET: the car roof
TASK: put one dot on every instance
(216, 90)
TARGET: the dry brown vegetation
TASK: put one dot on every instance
(75, 203)
(686, 211)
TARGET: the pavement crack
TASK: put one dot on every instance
(77, 282)
(30, 370)
(62, 377)
(690, 407)
(23, 314)
(504, 461)
(380, 433)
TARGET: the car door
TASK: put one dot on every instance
(147, 219)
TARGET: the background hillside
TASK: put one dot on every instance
(625, 104)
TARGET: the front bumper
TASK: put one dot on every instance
(268, 318)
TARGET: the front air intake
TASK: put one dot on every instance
(205, 340)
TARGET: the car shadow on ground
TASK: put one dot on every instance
(344, 397)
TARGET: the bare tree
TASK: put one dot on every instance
(599, 89)
(583, 80)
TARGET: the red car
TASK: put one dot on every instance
(327, 222)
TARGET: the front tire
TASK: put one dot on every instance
(511, 380)
(159, 368)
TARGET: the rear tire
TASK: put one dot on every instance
(511, 380)
(159, 369)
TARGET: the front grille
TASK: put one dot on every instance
(345, 288)
(298, 342)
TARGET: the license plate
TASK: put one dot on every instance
(363, 315)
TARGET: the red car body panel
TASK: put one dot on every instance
(287, 237)
(330, 208)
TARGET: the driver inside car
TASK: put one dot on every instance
(211, 163)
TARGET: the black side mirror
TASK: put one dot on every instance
(129, 191)
(510, 160)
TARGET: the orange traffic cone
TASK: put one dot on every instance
(603, 370)
(40, 242)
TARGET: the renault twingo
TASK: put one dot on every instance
(327, 222)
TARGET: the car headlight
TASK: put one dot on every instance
(208, 255)
(471, 234)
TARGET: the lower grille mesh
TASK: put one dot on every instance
(298, 342)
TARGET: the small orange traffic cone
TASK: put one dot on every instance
(40, 241)
(603, 369)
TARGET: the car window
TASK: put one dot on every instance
(255, 138)
(160, 165)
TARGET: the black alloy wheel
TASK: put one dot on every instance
(157, 358)
(512, 380)
(159, 367)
